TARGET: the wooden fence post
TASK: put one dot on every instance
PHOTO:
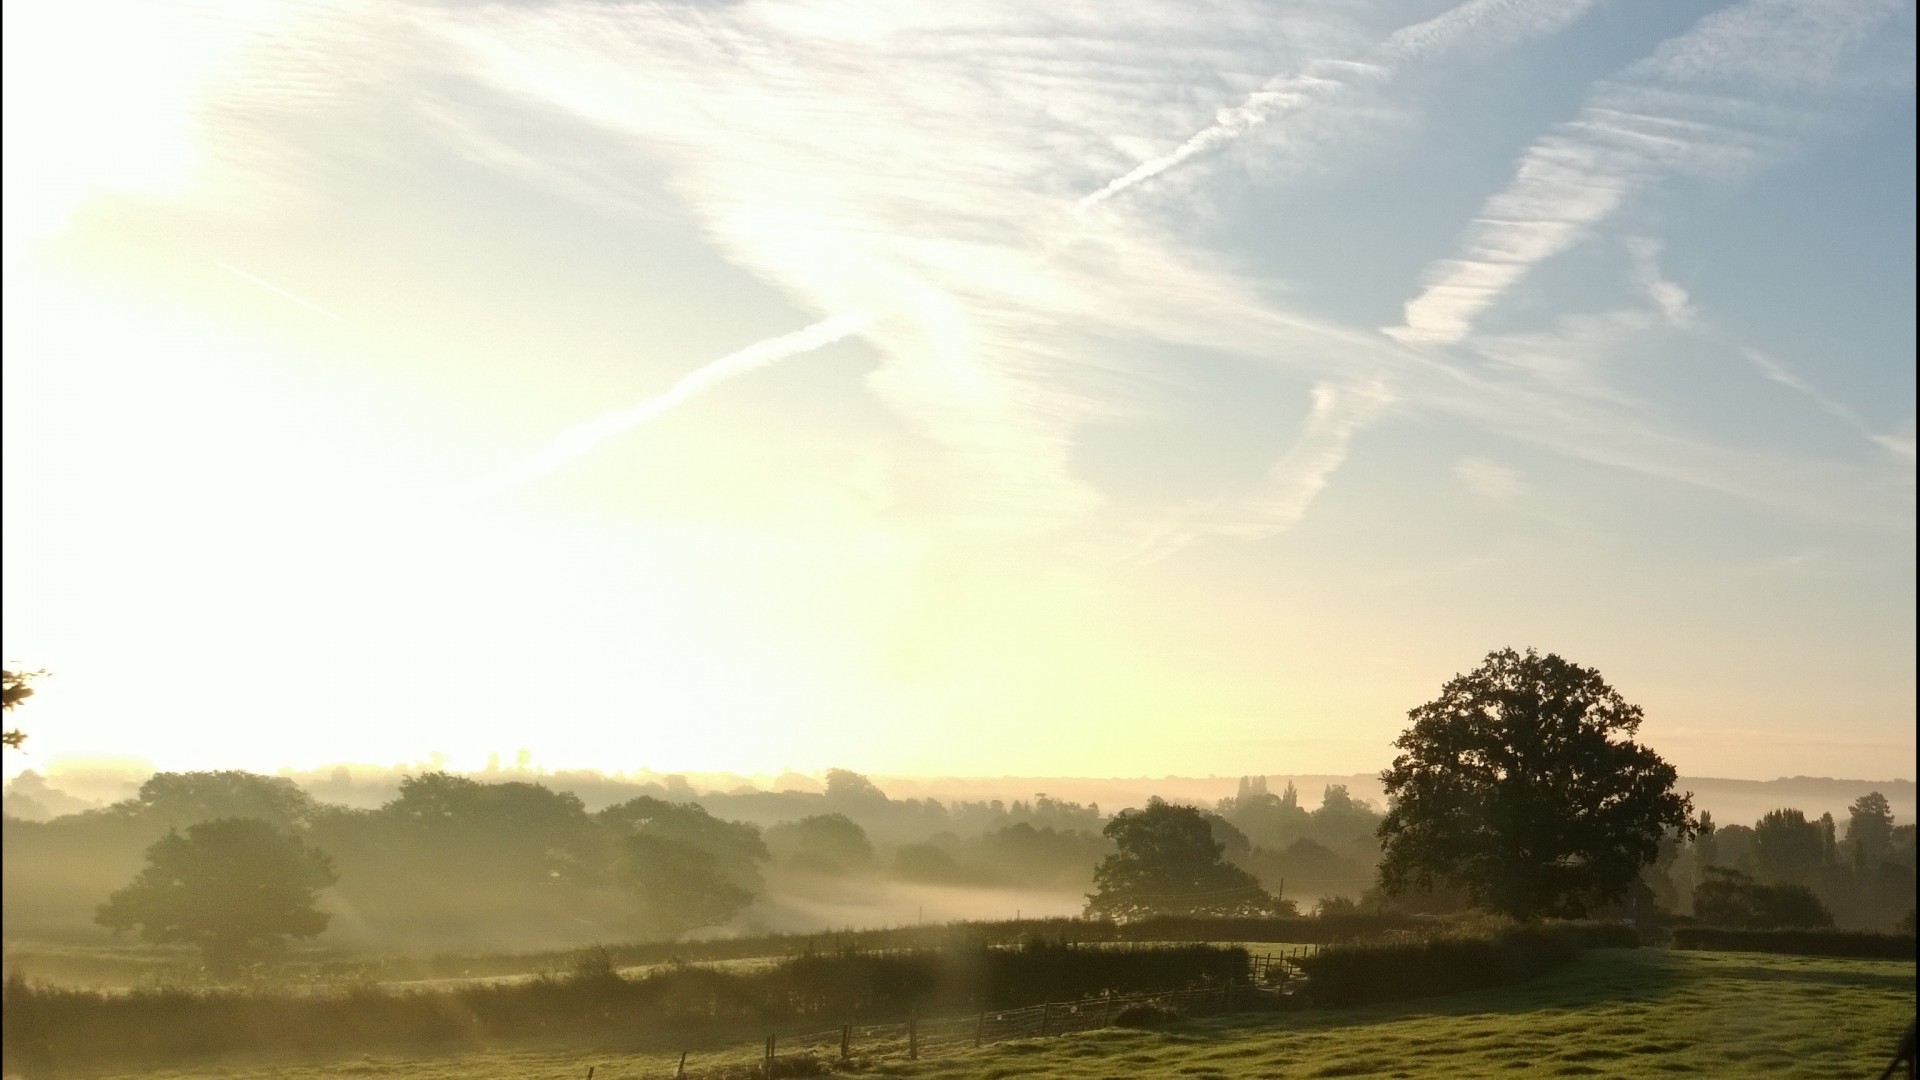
(913, 1038)
(682, 1070)
(1106, 1009)
(846, 1041)
(1046, 1014)
(979, 1028)
(769, 1061)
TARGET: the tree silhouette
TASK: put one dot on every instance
(230, 887)
(179, 799)
(685, 867)
(1869, 829)
(1731, 898)
(1522, 784)
(679, 887)
(734, 847)
(1787, 847)
(1168, 863)
(823, 843)
(15, 687)
(847, 787)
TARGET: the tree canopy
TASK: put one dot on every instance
(15, 687)
(1727, 897)
(822, 843)
(1788, 847)
(1167, 862)
(1869, 829)
(678, 886)
(685, 867)
(1522, 784)
(230, 887)
(177, 799)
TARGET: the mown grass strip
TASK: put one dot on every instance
(1613, 1014)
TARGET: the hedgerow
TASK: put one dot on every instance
(1797, 942)
(1465, 957)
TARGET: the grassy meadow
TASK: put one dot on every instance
(1612, 1013)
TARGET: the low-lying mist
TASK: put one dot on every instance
(519, 862)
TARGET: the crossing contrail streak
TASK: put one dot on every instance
(278, 291)
(1496, 23)
(1486, 24)
(581, 438)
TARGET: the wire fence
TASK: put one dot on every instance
(816, 1053)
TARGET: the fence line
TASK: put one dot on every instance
(796, 1055)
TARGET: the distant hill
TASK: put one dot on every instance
(1741, 802)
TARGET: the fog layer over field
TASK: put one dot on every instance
(518, 859)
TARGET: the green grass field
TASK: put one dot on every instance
(1613, 1013)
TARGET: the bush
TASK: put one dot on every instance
(1442, 963)
(1731, 898)
(1797, 942)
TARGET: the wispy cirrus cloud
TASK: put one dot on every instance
(1667, 295)
(1490, 480)
(1339, 411)
(1774, 370)
(942, 204)
(1475, 28)
(1743, 87)
(774, 136)
(976, 311)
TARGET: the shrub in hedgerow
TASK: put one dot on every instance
(1441, 964)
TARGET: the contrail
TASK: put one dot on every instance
(577, 440)
(1495, 24)
(278, 291)
(1228, 125)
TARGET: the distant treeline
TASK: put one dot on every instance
(451, 862)
(454, 863)
(1853, 874)
(50, 1031)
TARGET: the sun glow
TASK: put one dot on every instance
(808, 424)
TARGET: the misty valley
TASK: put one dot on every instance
(652, 926)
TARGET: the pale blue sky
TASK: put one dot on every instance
(956, 387)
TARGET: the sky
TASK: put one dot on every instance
(954, 388)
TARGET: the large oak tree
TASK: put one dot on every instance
(1522, 784)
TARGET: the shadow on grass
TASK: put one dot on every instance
(1883, 980)
(1599, 976)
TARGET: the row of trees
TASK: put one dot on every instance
(1521, 789)
(448, 850)
(1520, 786)
(1858, 873)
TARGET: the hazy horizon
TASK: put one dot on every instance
(1733, 800)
